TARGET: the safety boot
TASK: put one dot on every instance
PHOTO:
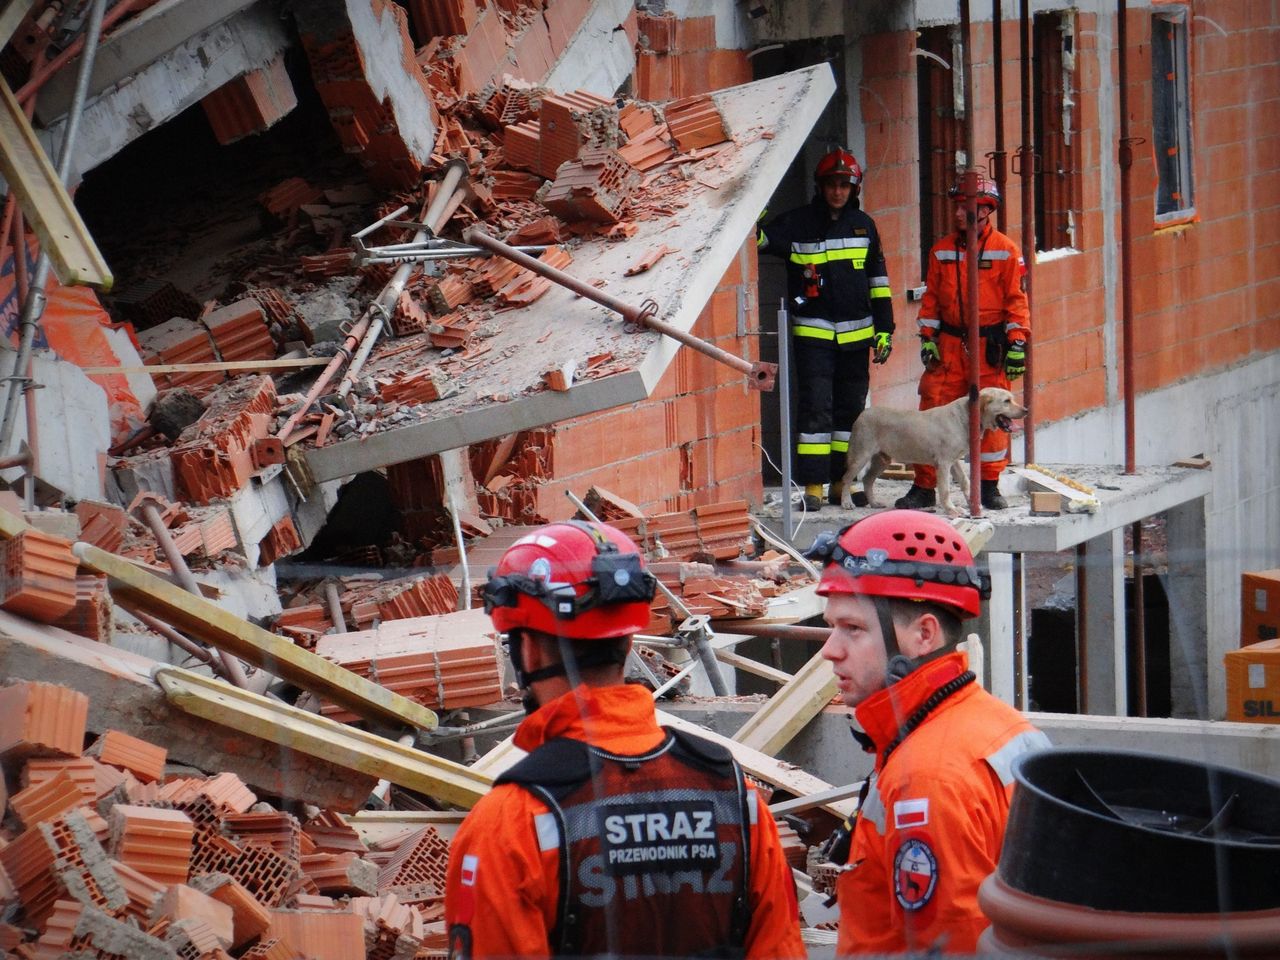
(836, 491)
(991, 498)
(812, 499)
(917, 498)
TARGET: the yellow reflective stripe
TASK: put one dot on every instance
(880, 293)
(857, 255)
(816, 332)
(819, 449)
(853, 336)
(839, 446)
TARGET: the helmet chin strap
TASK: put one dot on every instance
(568, 666)
(899, 665)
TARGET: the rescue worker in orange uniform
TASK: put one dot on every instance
(931, 818)
(1004, 324)
(841, 310)
(614, 835)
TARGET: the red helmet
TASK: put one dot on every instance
(571, 579)
(988, 191)
(906, 554)
(839, 163)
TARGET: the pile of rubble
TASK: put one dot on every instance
(104, 855)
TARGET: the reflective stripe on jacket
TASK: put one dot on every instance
(1001, 298)
(855, 300)
(930, 828)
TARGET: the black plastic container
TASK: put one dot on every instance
(1141, 833)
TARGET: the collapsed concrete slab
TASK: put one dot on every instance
(726, 189)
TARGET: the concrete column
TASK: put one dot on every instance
(1103, 617)
(1190, 660)
(996, 627)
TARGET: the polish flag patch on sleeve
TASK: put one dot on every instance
(469, 864)
(910, 813)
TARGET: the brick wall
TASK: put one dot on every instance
(1206, 294)
(693, 441)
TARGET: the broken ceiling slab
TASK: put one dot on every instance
(600, 55)
(500, 390)
(196, 66)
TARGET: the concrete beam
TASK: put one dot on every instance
(825, 749)
(138, 42)
(165, 87)
(1103, 616)
(1191, 658)
(706, 234)
(123, 697)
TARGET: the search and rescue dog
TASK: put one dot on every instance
(939, 436)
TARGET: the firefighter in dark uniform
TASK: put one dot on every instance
(614, 836)
(841, 311)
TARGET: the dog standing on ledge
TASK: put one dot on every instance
(939, 436)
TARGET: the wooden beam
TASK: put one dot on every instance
(759, 765)
(224, 366)
(790, 709)
(317, 736)
(45, 201)
(747, 665)
(134, 589)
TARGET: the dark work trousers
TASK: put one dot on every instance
(831, 390)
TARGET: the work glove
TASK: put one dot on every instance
(884, 347)
(1015, 360)
(761, 239)
(929, 354)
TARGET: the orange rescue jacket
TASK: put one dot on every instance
(930, 827)
(503, 883)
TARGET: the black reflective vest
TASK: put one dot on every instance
(654, 851)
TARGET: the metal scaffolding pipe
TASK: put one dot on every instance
(998, 171)
(1126, 239)
(760, 375)
(364, 332)
(335, 607)
(783, 631)
(178, 564)
(974, 338)
(203, 654)
(33, 308)
(1027, 161)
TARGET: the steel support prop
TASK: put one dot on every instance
(760, 375)
(691, 626)
(783, 631)
(364, 333)
(973, 337)
(231, 667)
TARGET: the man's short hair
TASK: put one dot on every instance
(906, 611)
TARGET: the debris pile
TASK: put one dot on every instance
(106, 854)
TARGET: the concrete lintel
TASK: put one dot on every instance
(123, 697)
(164, 88)
(138, 42)
(598, 57)
(1150, 491)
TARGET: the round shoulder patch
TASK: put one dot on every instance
(915, 874)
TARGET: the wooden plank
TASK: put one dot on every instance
(747, 665)
(317, 736)
(223, 366)
(11, 17)
(380, 827)
(45, 201)
(134, 589)
(788, 711)
(813, 687)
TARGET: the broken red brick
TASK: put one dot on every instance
(251, 103)
(39, 576)
(594, 187)
(41, 720)
(144, 760)
(280, 541)
(695, 122)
